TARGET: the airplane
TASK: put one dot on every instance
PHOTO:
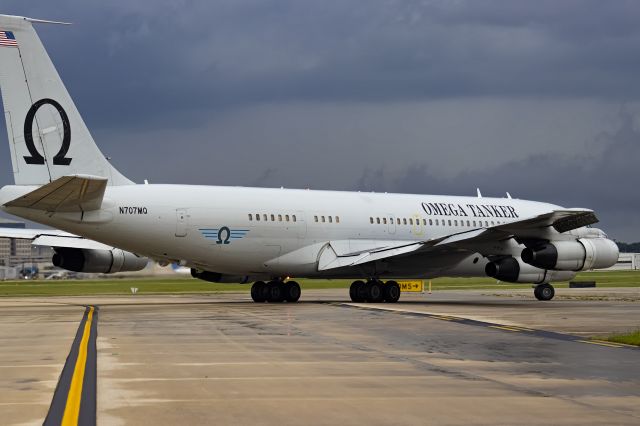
(104, 222)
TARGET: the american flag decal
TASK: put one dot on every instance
(8, 39)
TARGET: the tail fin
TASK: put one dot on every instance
(47, 136)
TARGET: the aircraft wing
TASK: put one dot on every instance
(531, 227)
(335, 256)
(53, 238)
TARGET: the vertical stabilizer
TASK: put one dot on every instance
(47, 136)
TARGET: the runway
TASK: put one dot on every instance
(455, 358)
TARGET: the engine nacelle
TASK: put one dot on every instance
(577, 255)
(215, 277)
(100, 261)
(513, 270)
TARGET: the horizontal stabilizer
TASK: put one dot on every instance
(75, 193)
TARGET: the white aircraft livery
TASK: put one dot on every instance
(106, 223)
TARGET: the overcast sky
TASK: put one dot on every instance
(538, 98)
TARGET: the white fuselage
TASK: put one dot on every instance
(281, 232)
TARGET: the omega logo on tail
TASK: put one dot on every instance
(60, 158)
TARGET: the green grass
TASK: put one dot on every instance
(123, 286)
(631, 338)
(180, 285)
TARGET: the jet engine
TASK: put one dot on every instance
(513, 270)
(577, 255)
(101, 261)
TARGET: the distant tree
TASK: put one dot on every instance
(628, 247)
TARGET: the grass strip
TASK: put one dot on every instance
(630, 338)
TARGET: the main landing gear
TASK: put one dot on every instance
(544, 292)
(275, 291)
(374, 291)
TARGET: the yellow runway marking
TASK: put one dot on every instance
(504, 327)
(517, 327)
(445, 317)
(614, 343)
(601, 343)
(72, 408)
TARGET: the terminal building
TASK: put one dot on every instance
(627, 262)
(18, 255)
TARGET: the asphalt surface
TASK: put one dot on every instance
(447, 358)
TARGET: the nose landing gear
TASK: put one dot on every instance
(374, 291)
(544, 292)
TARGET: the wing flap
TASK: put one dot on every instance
(66, 194)
(335, 256)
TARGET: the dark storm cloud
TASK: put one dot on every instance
(408, 95)
(607, 183)
(154, 59)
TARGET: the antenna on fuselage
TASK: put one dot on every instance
(508, 195)
(479, 194)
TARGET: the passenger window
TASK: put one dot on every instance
(258, 217)
(398, 221)
(273, 218)
(315, 218)
(384, 220)
(410, 221)
(371, 219)
(286, 217)
(323, 220)
(378, 220)
(404, 220)
(486, 223)
(430, 222)
(330, 219)
(468, 223)
(424, 222)
(492, 223)
(455, 222)
(449, 222)
(279, 218)
(337, 219)
(293, 217)
(264, 216)
(437, 222)
(250, 216)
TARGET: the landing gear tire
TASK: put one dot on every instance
(391, 292)
(276, 292)
(375, 292)
(259, 292)
(544, 292)
(292, 291)
(356, 292)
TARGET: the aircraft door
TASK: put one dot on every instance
(392, 224)
(182, 222)
(301, 225)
